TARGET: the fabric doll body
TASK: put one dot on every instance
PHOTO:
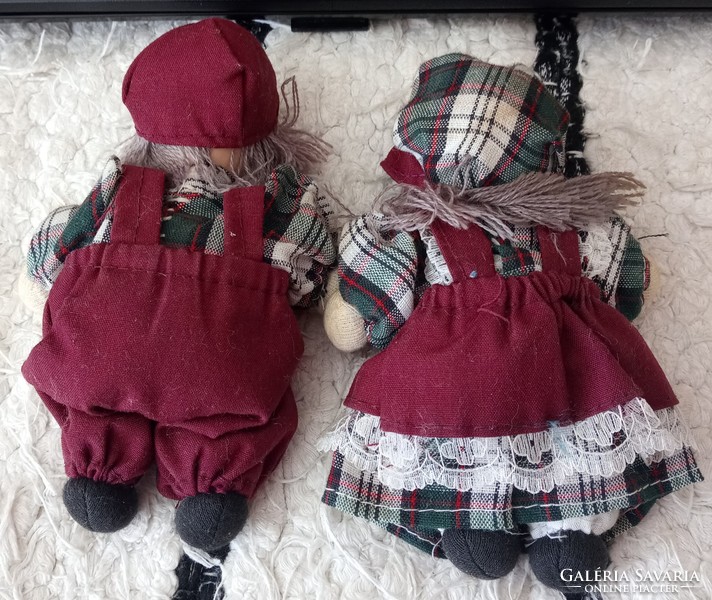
(510, 397)
(292, 246)
(168, 331)
(621, 276)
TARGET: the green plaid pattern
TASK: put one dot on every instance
(627, 274)
(383, 279)
(474, 124)
(519, 256)
(418, 515)
(633, 280)
(192, 213)
(379, 278)
(296, 233)
(88, 223)
(43, 264)
(295, 230)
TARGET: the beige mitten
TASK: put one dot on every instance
(32, 294)
(342, 322)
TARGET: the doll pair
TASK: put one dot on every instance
(510, 400)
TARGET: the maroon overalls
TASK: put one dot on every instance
(494, 356)
(152, 352)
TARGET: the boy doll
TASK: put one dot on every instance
(168, 331)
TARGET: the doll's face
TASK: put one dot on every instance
(229, 159)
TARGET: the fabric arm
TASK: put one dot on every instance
(65, 229)
(613, 259)
(296, 234)
(634, 280)
(377, 276)
(43, 266)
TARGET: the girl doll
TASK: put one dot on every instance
(168, 334)
(510, 397)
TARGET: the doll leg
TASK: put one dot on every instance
(104, 456)
(482, 553)
(573, 544)
(213, 466)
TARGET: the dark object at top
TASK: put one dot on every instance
(234, 8)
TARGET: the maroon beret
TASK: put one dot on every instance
(208, 84)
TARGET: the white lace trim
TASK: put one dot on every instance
(598, 249)
(436, 270)
(602, 445)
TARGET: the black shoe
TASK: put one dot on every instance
(481, 553)
(99, 506)
(197, 581)
(575, 550)
(211, 521)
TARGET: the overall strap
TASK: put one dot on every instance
(467, 252)
(138, 206)
(560, 251)
(244, 211)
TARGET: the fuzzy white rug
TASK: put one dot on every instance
(647, 83)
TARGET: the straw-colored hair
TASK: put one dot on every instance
(547, 199)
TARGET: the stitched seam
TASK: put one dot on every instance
(178, 275)
(561, 419)
(138, 205)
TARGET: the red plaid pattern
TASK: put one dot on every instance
(474, 124)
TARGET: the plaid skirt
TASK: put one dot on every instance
(419, 516)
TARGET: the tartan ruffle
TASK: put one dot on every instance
(420, 515)
(599, 446)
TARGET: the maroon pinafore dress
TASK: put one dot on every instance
(157, 353)
(492, 356)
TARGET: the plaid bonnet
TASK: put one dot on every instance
(473, 124)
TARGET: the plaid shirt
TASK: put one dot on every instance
(296, 237)
(383, 279)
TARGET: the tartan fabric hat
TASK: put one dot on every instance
(473, 124)
(208, 84)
